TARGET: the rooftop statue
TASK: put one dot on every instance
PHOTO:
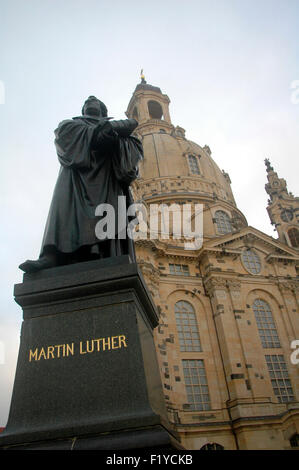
(99, 159)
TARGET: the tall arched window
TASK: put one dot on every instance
(223, 222)
(265, 324)
(187, 327)
(193, 164)
(294, 237)
(155, 110)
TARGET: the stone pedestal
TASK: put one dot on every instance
(87, 374)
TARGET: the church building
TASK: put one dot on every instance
(228, 308)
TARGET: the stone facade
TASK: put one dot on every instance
(229, 309)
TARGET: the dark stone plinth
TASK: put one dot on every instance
(87, 373)
(154, 438)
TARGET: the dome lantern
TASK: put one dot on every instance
(149, 106)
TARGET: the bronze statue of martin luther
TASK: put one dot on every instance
(99, 159)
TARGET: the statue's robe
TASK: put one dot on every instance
(97, 166)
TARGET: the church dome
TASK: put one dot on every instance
(175, 169)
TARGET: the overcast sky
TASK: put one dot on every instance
(228, 67)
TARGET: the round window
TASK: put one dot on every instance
(286, 215)
(251, 261)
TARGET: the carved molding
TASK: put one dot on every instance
(213, 284)
(162, 248)
(233, 284)
(149, 270)
(179, 187)
(220, 283)
(289, 287)
(151, 275)
(148, 243)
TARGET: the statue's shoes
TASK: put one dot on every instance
(31, 266)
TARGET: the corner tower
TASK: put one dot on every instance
(283, 208)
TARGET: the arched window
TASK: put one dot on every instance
(223, 222)
(155, 110)
(265, 324)
(193, 164)
(212, 446)
(187, 326)
(294, 441)
(294, 237)
(251, 261)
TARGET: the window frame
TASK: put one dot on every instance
(187, 327)
(195, 163)
(254, 258)
(264, 320)
(218, 222)
(179, 272)
(278, 375)
(199, 388)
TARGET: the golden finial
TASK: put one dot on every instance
(142, 76)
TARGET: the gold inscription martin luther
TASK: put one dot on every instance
(84, 347)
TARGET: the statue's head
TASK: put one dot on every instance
(94, 107)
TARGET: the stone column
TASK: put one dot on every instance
(228, 334)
